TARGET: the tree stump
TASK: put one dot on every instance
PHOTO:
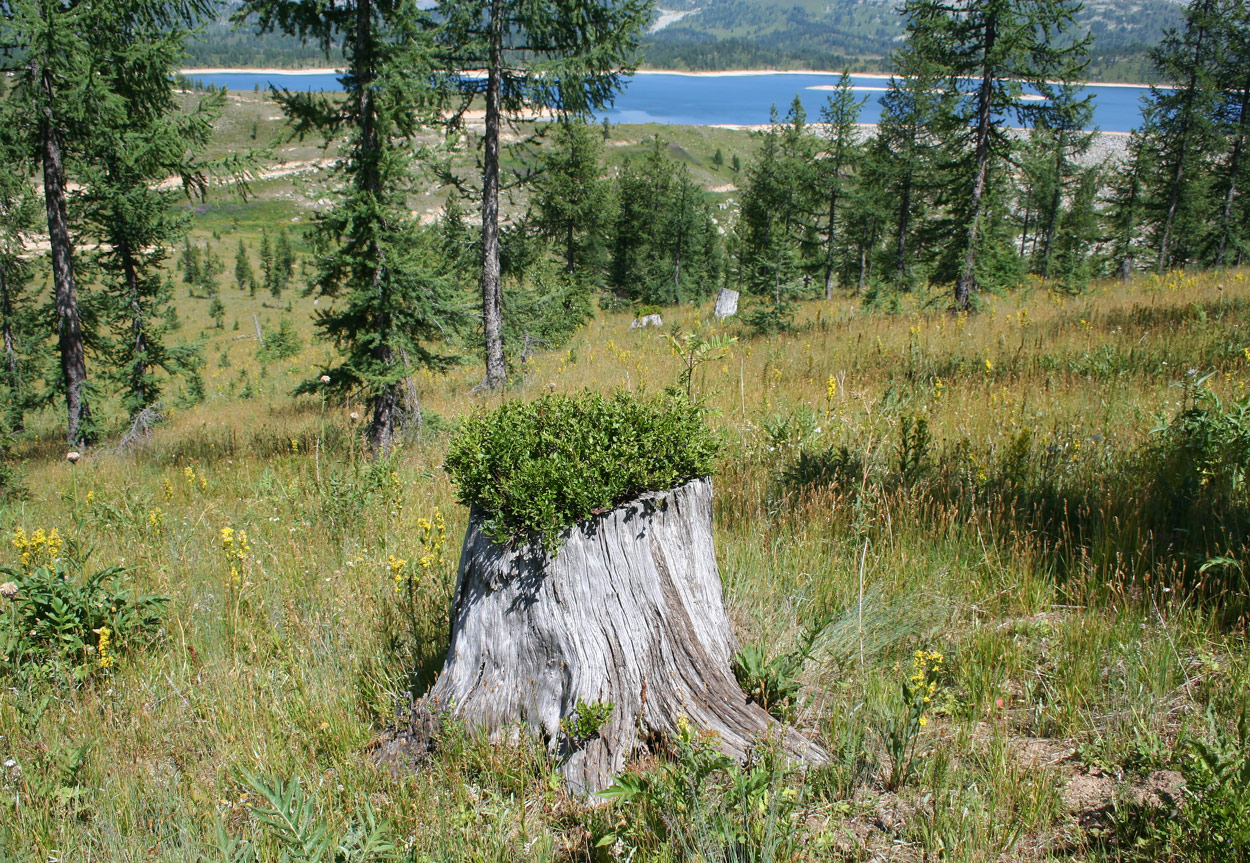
(646, 321)
(628, 611)
(726, 304)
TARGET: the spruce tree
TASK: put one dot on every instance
(389, 285)
(565, 57)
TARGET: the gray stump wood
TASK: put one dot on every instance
(628, 611)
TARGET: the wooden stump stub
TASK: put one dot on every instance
(628, 611)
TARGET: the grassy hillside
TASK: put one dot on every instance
(1021, 598)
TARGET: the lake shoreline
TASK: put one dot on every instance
(721, 73)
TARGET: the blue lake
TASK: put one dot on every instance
(730, 99)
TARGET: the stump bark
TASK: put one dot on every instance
(628, 611)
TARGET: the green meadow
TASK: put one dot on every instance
(998, 558)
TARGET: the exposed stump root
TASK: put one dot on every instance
(629, 611)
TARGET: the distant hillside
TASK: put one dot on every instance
(222, 44)
(862, 34)
(859, 35)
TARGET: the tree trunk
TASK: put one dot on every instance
(1234, 166)
(492, 297)
(69, 325)
(967, 276)
(1056, 201)
(904, 227)
(13, 409)
(1182, 153)
(139, 368)
(385, 416)
(629, 611)
(829, 242)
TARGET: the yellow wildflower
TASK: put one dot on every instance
(106, 658)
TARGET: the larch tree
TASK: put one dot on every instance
(1180, 123)
(49, 58)
(391, 305)
(989, 51)
(778, 209)
(1062, 135)
(910, 155)
(571, 197)
(567, 57)
(840, 150)
(18, 327)
(1126, 204)
(143, 138)
(1232, 231)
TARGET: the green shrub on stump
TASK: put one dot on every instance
(539, 467)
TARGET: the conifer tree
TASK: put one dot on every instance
(1062, 136)
(456, 240)
(987, 50)
(777, 212)
(19, 328)
(570, 199)
(565, 57)
(1232, 226)
(665, 244)
(1179, 124)
(283, 264)
(243, 275)
(142, 138)
(910, 158)
(48, 106)
(391, 293)
(267, 270)
(840, 150)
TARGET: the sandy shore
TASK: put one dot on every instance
(224, 71)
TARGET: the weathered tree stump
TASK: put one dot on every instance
(726, 304)
(646, 321)
(628, 611)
